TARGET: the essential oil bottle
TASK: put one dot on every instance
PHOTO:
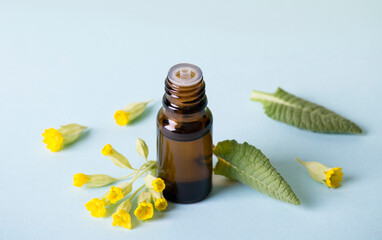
(184, 136)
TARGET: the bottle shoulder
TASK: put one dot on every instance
(177, 123)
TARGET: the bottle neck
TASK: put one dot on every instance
(184, 99)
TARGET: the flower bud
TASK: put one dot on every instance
(56, 139)
(117, 158)
(117, 193)
(144, 197)
(155, 183)
(142, 148)
(96, 180)
(130, 112)
(323, 174)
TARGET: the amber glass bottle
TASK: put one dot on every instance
(184, 131)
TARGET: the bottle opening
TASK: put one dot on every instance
(185, 74)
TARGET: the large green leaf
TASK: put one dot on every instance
(250, 166)
(285, 107)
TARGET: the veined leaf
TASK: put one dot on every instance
(250, 166)
(285, 107)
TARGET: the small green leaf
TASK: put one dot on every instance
(142, 148)
(285, 107)
(250, 166)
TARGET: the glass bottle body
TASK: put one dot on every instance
(184, 147)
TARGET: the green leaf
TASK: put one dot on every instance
(250, 166)
(285, 107)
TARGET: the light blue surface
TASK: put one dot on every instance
(79, 61)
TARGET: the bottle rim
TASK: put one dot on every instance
(185, 74)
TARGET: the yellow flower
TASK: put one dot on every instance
(158, 185)
(115, 194)
(96, 180)
(96, 207)
(155, 183)
(334, 177)
(121, 117)
(144, 211)
(107, 150)
(122, 218)
(161, 204)
(331, 177)
(80, 179)
(130, 112)
(53, 139)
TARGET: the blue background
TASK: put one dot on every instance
(79, 61)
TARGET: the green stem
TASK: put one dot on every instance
(300, 161)
(261, 96)
(268, 97)
(139, 169)
(124, 177)
(137, 191)
(145, 171)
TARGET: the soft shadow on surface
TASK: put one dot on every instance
(111, 209)
(221, 184)
(346, 179)
(298, 179)
(84, 135)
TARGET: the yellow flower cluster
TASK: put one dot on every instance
(56, 139)
(154, 193)
(151, 197)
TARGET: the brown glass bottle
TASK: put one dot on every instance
(184, 136)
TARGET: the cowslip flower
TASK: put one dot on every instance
(96, 207)
(117, 158)
(96, 180)
(130, 112)
(160, 202)
(155, 183)
(331, 177)
(55, 139)
(122, 217)
(144, 211)
(117, 193)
